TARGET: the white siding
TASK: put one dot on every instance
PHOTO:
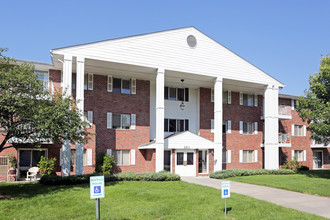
(207, 58)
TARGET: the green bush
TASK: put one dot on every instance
(290, 164)
(302, 168)
(108, 163)
(79, 179)
(47, 166)
(232, 173)
(99, 162)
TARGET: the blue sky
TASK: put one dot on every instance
(283, 38)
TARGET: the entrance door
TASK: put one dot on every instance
(317, 159)
(185, 163)
(202, 161)
(29, 158)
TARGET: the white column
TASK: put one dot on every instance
(80, 105)
(271, 128)
(160, 120)
(218, 124)
(67, 80)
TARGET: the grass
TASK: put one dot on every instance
(315, 182)
(134, 200)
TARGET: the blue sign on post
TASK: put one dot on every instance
(225, 188)
(97, 189)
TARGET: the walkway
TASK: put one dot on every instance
(303, 202)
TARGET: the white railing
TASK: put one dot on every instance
(284, 138)
(284, 110)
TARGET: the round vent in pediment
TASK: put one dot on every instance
(191, 41)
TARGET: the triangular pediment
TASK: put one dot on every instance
(170, 50)
(187, 140)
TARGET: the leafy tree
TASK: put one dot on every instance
(30, 112)
(315, 107)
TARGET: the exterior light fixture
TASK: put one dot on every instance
(182, 105)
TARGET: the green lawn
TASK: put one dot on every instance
(134, 200)
(316, 182)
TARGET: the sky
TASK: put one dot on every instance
(283, 38)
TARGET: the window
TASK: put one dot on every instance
(224, 156)
(176, 125)
(224, 127)
(248, 128)
(88, 81)
(121, 121)
(298, 130)
(248, 99)
(176, 94)
(89, 117)
(122, 157)
(74, 157)
(225, 97)
(179, 158)
(121, 86)
(44, 78)
(248, 156)
(299, 155)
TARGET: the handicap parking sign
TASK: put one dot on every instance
(225, 192)
(97, 189)
(225, 189)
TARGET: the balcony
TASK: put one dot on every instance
(317, 144)
(284, 112)
(284, 140)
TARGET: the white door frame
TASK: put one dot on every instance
(185, 159)
(321, 159)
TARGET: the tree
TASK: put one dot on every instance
(315, 107)
(29, 112)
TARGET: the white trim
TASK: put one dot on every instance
(255, 156)
(90, 80)
(228, 156)
(241, 127)
(229, 126)
(89, 154)
(304, 130)
(132, 156)
(109, 152)
(292, 104)
(255, 127)
(241, 98)
(90, 117)
(255, 100)
(212, 125)
(133, 86)
(109, 83)
(292, 154)
(109, 120)
(241, 156)
(292, 130)
(212, 94)
(229, 97)
(133, 121)
(305, 155)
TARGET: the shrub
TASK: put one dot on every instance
(79, 179)
(302, 168)
(12, 161)
(290, 164)
(47, 166)
(108, 163)
(232, 173)
(99, 162)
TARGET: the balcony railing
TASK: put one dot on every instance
(284, 138)
(284, 110)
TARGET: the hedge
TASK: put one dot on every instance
(79, 179)
(232, 173)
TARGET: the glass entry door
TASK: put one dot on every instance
(202, 161)
(29, 158)
(185, 163)
(317, 159)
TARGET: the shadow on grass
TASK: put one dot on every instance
(316, 173)
(29, 190)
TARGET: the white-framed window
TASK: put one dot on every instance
(122, 157)
(73, 157)
(176, 125)
(248, 156)
(88, 81)
(248, 99)
(298, 130)
(248, 127)
(224, 156)
(176, 94)
(121, 86)
(121, 121)
(89, 117)
(299, 155)
(44, 78)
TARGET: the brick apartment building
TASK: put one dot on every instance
(173, 100)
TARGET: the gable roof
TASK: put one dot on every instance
(169, 50)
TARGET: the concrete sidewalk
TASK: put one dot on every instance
(303, 202)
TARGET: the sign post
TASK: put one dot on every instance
(97, 192)
(225, 192)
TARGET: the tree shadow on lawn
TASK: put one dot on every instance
(325, 174)
(29, 190)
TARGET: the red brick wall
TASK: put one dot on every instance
(234, 141)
